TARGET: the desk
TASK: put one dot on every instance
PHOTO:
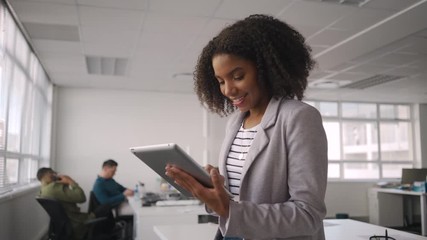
(146, 217)
(335, 229)
(386, 207)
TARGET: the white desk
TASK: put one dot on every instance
(146, 217)
(386, 207)
(334, 230)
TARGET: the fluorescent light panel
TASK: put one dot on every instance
(106, 65)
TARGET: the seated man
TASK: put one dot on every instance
(108, 191)
(64, 189)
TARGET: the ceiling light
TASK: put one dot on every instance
(106, 65)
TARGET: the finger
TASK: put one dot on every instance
(182, 178)
(208, 168)
(217, 179)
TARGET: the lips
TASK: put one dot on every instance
(238, 101)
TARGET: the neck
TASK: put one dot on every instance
(254, 116)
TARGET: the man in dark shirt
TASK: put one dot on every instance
(106, 189)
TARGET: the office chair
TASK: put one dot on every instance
(60, 227)
(124, 224)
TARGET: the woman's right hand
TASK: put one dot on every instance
(216, 198)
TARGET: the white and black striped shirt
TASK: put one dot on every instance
(236, 158)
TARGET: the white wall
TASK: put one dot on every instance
(94, 125)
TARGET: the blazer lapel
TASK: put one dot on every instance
(260, 142)
(261, 138)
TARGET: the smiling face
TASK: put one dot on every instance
(238, 82)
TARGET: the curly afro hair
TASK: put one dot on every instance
(282, 59)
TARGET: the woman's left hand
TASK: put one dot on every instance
(215, 198)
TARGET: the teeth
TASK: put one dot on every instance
(237, 100)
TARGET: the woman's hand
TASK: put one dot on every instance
(215, 198)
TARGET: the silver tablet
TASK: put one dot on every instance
(157, 156)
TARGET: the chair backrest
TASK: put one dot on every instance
(60, 225)
(93, 202)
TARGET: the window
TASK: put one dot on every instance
(25, 108)
(367, 140)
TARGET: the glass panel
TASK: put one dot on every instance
(361, 171)
(22, 51)
(28, 170)
(333, 134)
(3, 101)
(359, 110)
(396, 141)
(394, 170)
(37, 113)
(12, 167)
(2, 171)
(29, 128)
(360, 141)
(15, 111)
(390, 111)
(333, 170)
(1, 32)
(329, 109)
(10, 33)
(34, 166)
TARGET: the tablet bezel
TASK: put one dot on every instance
(157, 156)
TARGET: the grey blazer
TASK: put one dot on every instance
(284, 176)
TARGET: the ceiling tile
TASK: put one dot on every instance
(107, 43)
(52, 31)
(317, 49)
(49, 13)
(204, 8)
(306, 30)
(314, 13)
(122, 4)
(396, 59)
(370, 68)
(329, 37)
(239, 9)
(157, 49)
(395, 5)
(416, 45)
(361, 18)
(349, 76)
(163, 23)
(67, 2)
(112, 18)
(214, 26)
(50, 46)
(403, 71)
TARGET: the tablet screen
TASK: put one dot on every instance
(157, 156)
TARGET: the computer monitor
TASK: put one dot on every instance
(411, 175)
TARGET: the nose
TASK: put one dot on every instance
(229, 89)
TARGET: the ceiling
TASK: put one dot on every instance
(367, 50)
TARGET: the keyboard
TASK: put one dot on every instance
(164, 203)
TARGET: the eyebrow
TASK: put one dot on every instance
(231, 72)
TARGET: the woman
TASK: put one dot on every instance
(274, 156)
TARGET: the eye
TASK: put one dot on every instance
(238, 77)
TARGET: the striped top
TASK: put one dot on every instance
(237, 156)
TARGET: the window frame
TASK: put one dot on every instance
(377, 122)
(36, 110)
